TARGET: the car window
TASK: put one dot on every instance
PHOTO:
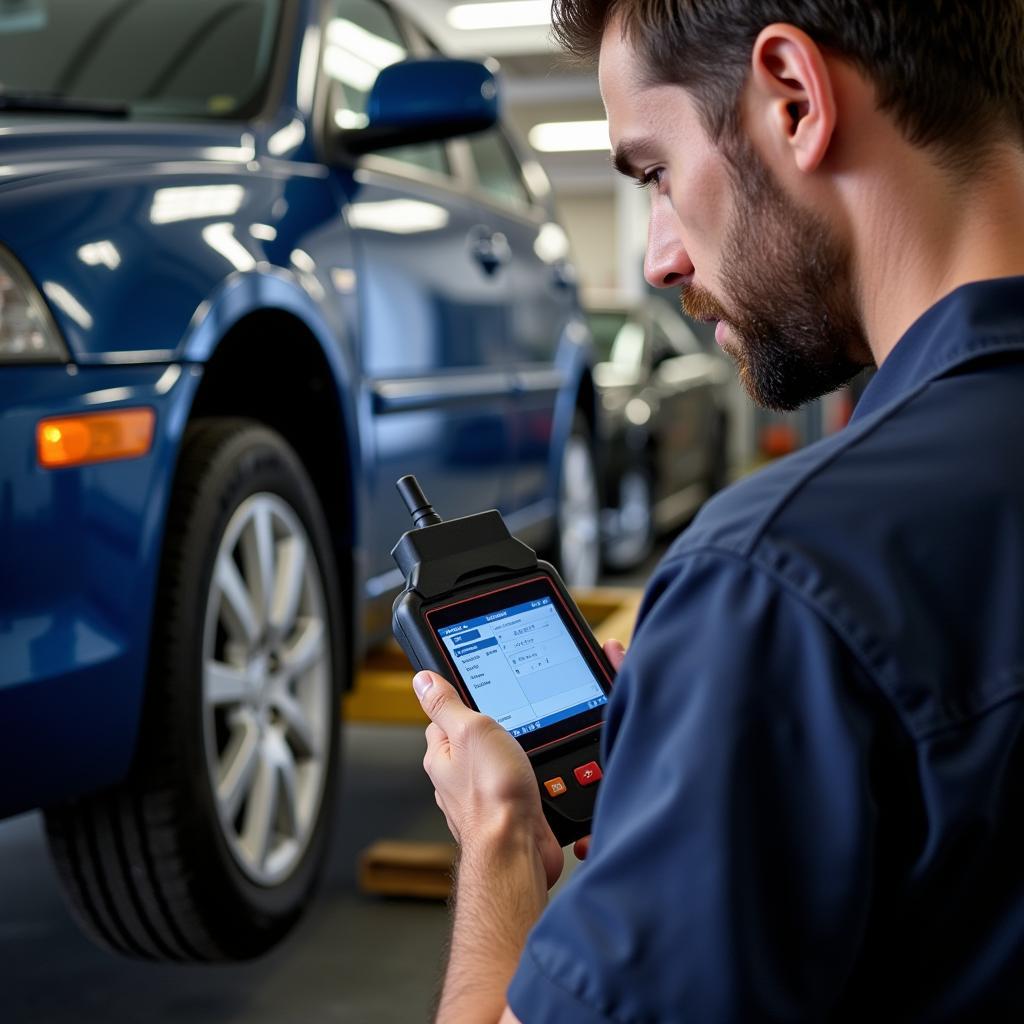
(194, 58)
(363, 38)
(497, 169)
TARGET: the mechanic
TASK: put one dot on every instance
(814, 755)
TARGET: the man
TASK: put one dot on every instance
(814, 754)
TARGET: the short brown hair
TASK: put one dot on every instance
(951, 72)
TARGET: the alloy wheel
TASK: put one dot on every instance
(266, 688)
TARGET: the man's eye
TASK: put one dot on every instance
(648, 178)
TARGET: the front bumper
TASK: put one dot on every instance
(79, 557)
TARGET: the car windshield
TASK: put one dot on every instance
(192, 58)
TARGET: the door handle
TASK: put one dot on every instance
(563, 274)
(490, 249)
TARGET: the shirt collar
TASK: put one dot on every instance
(975, 319)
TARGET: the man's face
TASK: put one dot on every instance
(775, 277)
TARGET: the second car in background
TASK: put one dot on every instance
(664, 422)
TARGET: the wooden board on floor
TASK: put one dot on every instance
(421, 870)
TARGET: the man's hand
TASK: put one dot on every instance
(485, 785)
(483, 781)
(615, 652)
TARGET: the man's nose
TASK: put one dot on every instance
(666, 263)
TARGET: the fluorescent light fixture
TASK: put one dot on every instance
(398, 216)
(67, 303)
(507, 14)
(308, 60)
(221, 238)
(103, 253)
(372, 48)
(569, 136)
(303, 261)
(350, 118)
(350, 69)
(551, 243)
(195, 202)
(536, 179)
(344, 279)
(355, 56)
(285, 139)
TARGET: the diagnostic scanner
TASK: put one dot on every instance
(480, 609)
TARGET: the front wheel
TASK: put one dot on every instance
(211, 849)
(579, 510)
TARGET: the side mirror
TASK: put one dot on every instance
(424, 100)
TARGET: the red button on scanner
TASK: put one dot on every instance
(587, 774)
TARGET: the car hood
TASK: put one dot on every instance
(45, 149)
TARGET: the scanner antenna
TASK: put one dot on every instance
(420, 509)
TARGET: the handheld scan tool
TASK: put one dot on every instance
(480, 609)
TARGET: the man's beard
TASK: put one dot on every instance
(793, 312)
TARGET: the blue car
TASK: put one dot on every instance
(258, 258)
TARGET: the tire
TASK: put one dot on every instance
(632, 533)
(211, 848)
(579, 510)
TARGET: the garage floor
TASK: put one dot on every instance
(356, 958)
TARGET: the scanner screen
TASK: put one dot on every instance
(521, 665)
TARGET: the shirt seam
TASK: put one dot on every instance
(1007, 693)
(978, 344)
(1005, 697)
(753, 561)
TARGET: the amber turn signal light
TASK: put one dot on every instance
(94, 437)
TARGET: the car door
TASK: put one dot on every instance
(541, 300)
(435, 375)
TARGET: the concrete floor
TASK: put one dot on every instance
(355, 958)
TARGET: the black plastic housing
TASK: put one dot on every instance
(468, 558)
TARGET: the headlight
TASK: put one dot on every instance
(27, 331)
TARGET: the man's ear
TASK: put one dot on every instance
(792, 90)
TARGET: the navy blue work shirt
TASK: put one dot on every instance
(814, 756)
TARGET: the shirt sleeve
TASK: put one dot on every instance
(731, 861)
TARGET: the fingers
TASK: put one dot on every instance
(615, 652)
(437, 745)
(440, 701)
(581, 848)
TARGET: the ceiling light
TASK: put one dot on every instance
(507, 14)
(398, 216)
(569, 136)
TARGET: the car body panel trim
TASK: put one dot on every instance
(402, 395)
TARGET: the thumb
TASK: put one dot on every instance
(439, 700)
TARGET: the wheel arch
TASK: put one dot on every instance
(581, 399)
(300, 397)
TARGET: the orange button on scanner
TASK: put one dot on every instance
(555, 787)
